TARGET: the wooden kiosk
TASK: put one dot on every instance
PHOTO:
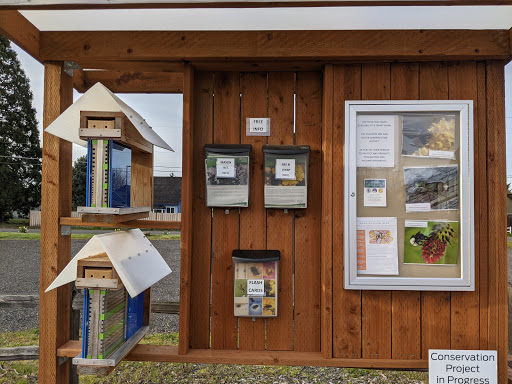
(258, 74)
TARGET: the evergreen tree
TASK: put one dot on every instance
(20, 153)
(79, 182)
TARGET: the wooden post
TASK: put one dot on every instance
(327, 206)
(54, 306)
(186, 213)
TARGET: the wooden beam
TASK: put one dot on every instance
(152, 224)
(144, 352)
(131, 65)
(19, 353)
(20, 31)
(54, 308)
(186, 214)
(85, 4)
(129, 82)
(418, 45)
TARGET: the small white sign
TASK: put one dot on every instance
(285, 169)
(451, 366)
(258, 126)
(255, 287)
(225, 168)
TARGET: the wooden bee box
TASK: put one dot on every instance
(97, 272)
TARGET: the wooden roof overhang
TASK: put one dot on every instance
(131, 4)
(153, 61)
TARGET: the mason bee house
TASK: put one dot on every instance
(116, 271)
(119, 153)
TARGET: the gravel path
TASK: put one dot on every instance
(19, 275)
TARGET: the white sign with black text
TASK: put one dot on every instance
(225, 168)
(285, 169)
(257, 126)
(255, 287)
(449, 366)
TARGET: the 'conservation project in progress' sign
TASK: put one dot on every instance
(462, 366)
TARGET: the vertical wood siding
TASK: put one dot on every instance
(398, 325)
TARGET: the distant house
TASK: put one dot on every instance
(167, 195)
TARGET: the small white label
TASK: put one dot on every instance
(225, 168)
(417, 207)
(258, 126)
(285, 169)
(462, 366)
(255, 287)
(416, 223)
(442, 154)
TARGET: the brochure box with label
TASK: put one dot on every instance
(255, 280)
(286, 176)
(227, 169)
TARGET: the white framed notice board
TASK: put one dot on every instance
(409, 211)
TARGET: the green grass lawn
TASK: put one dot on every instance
(75, 236)
(26, 372)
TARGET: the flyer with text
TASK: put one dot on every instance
(377, 246)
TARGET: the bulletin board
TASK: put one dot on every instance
(409, 195)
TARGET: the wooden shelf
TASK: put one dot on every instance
(78, 222)
(112, 219)
(163, 353)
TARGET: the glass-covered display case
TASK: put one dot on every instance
(409, 195)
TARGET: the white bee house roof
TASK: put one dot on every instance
(100, 98)
(137, 262)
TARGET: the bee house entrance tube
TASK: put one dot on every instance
(227, 175)
(286, 176)
(255, 273)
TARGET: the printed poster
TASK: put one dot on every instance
(377, 246)
(375, 140)
(375, 192)
(227, 181)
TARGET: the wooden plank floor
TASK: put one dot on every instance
(170, 354)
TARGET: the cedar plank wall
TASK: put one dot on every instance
(423, 320)
(223, 102)
(409, 322)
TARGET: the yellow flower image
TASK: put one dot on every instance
(299, 176)
(441, 137)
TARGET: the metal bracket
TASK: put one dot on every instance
(65, 230)
(61, 360)
(70, 66)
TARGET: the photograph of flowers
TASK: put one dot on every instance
(431, 242)
(430, 135)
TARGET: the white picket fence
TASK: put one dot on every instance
(35, 217)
